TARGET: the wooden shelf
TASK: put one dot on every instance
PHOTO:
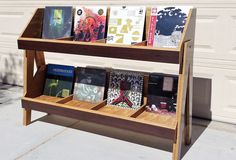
(106, 118)
(172, 127)
(31, 40)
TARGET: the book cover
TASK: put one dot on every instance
(59, 80)
(90, 84)
(162, 93)
(57, 22)
(167, 25)
(126, 24)
(125, 89)
(90, 23)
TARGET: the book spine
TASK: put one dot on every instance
(152, 26)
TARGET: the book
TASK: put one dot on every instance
(167, 25)
(90, 23)
(59, 80)
(125, 89)
(57, 22)
(162, 93)
(126, 24)
(90, 84)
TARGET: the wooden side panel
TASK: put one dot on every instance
(181, 101)
(34, 28)
(189, 30)
(189, 35)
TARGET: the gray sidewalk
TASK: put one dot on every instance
(59, 138)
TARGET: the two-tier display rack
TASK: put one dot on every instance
(176, 128)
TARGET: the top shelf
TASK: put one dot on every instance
(31, 40)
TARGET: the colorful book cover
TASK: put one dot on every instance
(126, 24)
(90, 23)
(90, 84)
(57, 22)
(59, 80)
(167, 25)
(162, 93)
(125, 89)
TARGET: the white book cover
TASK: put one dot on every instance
(90, 23)
(126, 24)
(167, 25)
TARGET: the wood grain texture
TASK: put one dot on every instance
(181, 104)
(28, 81)
(34, 28)
(141, 53)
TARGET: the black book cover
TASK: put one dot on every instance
(162, 92)
(90, 84)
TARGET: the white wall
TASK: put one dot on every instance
(215, 50)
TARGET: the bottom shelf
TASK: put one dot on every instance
(136, 120)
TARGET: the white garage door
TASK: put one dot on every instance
(214, 59)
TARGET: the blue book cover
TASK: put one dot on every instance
(57, 22)
(167, 25)
(59, 80)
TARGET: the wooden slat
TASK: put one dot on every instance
(81, 104)
(168, 120)
(143, 53)
(48, 98)
(39, 59)
(36, 84)
(29, 56)
(117, 111)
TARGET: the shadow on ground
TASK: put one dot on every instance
(138, 138)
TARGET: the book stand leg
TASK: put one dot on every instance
(30, 57)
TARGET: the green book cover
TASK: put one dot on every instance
(59, 80)
(90, 85)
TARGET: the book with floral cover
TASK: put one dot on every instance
(90, 23)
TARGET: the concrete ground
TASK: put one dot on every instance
(59, 138)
